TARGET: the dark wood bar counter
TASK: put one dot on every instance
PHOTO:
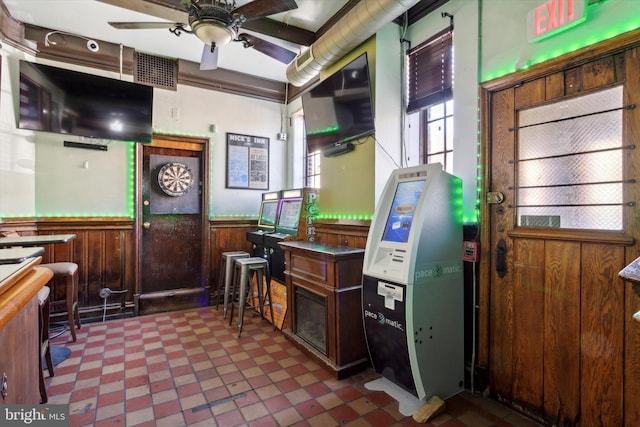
(20, 358)
(324, 304)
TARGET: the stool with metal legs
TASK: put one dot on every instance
(245, 269)
(225, 278)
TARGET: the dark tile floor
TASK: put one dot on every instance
(188, 368)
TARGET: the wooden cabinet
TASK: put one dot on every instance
(329, 279)
(19, 340)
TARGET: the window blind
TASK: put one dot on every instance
(430, 72)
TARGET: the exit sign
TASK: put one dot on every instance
(553, 17)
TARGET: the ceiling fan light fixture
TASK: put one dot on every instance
(213, 32)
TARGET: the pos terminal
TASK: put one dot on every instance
(412, 286)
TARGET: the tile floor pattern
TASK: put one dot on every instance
(188, 368)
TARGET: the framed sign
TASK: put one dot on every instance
(247, 162)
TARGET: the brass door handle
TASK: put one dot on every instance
(146, 224)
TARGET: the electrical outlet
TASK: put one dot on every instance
(282, 136)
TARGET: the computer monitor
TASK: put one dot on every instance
(268, 214)
(403, 207)
(289, 215)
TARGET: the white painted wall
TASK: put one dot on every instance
(17, 148)
(505, 48)
(41, 177)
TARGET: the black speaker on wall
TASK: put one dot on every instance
(99, 147)
(338, 149)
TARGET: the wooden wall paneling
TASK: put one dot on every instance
(632, 216)
(554, 86)
(501, 300)
(601, 336)
(530, 93)
(226, 238)
(573, 81)
(353, 235)
(95, 266)
(561, 380)
(598, 73)
(528, 304)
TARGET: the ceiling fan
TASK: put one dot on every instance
(217, 23)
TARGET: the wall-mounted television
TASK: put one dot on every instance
(339, 108)
(63, 101)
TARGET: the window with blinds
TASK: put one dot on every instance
(430, 72)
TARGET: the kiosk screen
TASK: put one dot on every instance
(268, 213)
(290, 214)
(403, 207)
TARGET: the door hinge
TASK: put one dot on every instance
(495, 197)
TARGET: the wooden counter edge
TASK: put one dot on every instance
(21, 292)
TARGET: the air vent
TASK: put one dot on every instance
(304, 58)
(155, 71)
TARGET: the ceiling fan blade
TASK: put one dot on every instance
(278, 53)
(143, 25)
(261, 8)
(209, 59)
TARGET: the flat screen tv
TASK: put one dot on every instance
(339, 108)
(63, 101)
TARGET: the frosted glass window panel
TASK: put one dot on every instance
(591, 194)
(607, 218)
(570, 163)
(577, 169)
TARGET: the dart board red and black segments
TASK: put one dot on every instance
(175, 179)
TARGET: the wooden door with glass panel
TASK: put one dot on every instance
(561, 223)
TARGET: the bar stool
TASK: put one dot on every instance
(226, 276)
(245, 269)
(68, 271)
(43, 333)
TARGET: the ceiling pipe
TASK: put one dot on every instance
(356, 26)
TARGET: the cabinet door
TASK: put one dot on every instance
(19, 351)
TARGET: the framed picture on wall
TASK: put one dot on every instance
(247, 162)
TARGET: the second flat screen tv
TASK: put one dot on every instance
(63, 101)
(339, 108)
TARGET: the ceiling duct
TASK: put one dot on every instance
(360, 23)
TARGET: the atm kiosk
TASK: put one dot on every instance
(296, 214)
(412, 286)
(266, 223)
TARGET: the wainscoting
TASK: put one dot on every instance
(105, 250)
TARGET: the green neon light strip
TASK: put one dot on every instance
(333, 129)
(598, 35)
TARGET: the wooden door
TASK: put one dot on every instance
(560, 344)
(173, 268)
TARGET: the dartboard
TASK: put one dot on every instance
(175, 179)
